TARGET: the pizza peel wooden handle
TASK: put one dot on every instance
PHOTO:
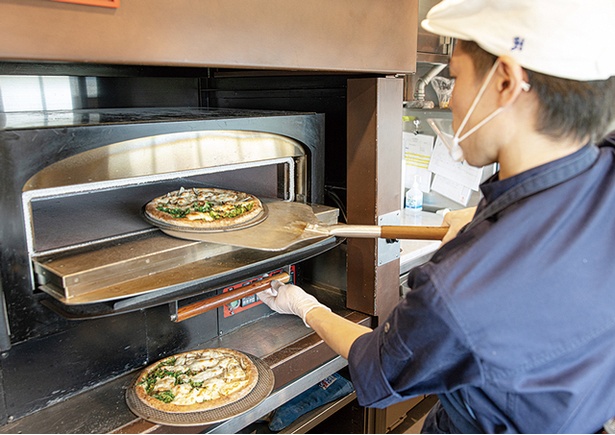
(196, 308)
(418, 232)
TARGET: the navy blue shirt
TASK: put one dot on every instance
(512, 323)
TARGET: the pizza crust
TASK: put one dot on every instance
(205, 363)
(204, 208)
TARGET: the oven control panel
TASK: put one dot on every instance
(248, 302)
(240, 311)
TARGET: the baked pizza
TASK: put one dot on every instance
(204, 208)
(199, 380)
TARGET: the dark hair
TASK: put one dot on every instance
(579, 109)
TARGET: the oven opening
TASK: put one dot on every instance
(97, 195)
(84, 218)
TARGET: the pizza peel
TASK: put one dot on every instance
(289, 223)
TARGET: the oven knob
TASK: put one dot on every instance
(231, 306)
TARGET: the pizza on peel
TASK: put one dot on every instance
(204, 208)
(195, 381)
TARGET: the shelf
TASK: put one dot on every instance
(310, 420)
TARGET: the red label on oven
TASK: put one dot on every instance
(248, 302)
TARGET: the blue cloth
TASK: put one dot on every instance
(438, 421)
(329, 389)
(512, 323)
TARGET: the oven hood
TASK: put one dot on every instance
(315, 35)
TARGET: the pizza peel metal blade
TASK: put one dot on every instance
(284, 226)
(289, 223)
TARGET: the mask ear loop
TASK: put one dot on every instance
(456, 138)
(524, 87)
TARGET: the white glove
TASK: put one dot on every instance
(289, 299)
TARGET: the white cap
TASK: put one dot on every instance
(571, 39)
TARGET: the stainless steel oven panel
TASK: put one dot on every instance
(87, 241)
(95, 197)
(135, 266)
(153, 262)
(116, 164)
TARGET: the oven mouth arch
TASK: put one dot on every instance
(152, 156)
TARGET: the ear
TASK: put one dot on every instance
(509, 80)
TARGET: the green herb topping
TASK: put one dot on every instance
(208, 207)
(165, 396)
(175, 212)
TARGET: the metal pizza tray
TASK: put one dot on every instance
(260, 392)
(170, 227)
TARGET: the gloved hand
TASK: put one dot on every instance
(289, 299)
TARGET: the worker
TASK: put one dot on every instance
(512, 322)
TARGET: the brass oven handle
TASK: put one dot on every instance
(200, 307)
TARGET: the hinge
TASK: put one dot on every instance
(388, 250)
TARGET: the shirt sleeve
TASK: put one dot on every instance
(419, 349)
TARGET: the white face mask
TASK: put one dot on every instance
(452, 141)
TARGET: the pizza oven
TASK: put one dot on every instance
(91, 128)
(84, 273)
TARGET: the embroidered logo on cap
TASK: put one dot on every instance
(517, 44)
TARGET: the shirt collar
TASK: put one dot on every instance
(493, 187)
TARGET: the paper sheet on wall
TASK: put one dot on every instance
(451, 189)
(417, 155)
(441, 163)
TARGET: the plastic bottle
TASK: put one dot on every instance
(414, 196)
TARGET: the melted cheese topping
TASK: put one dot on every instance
(198, 204)
(231, 387)
(197, 215)
(200, 377)
(164, 384)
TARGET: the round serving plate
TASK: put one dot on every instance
(260, 392)
(178, 228)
